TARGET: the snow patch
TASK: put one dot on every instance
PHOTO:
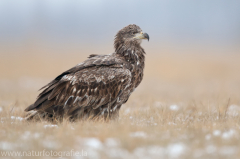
(216, 132)
(17, 118)
(228, 134)
(111, 142)
(138, 134)
(28, 135)
(175, 150)
(150, 152)
(6, 145)
(233, 110)
(93, 143)
(50, 126)
(174, 107)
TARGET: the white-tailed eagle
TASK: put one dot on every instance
(97, 87)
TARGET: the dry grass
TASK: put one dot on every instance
(187, 106)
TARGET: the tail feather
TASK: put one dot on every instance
(30, 107)
(34, 115)
(31, 114)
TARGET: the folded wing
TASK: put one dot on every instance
(93, 83)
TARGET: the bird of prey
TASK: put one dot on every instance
(96, 88)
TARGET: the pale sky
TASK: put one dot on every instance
(176, 20)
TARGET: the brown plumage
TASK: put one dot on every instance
(97, 87)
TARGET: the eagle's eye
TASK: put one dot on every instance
(134, 33)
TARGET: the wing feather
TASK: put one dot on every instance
(92, 83)
(57, 90)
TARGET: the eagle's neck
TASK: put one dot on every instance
(132, 52)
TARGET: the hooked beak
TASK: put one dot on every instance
(142, 36)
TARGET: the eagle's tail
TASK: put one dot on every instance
(32, 115)
(36, 115)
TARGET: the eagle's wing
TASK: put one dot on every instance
(92, 83)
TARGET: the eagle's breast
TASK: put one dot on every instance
(137, 63)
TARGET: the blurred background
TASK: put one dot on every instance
(58, 22)
(190, 41)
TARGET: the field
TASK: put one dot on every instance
(187, 106)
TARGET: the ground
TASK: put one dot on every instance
(187, 106)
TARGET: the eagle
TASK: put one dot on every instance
(96, 88)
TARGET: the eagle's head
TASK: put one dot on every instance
(131, 34)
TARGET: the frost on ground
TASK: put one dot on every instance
(174, 107)
(138, 134)
(164, 132)
(17, 118)
(113, 148)
(167, 133)
(171, 151)
(50, 126)
(233, 110)
(13, 119)
(162, 144)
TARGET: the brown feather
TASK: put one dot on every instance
(100, 83)
(57, 90)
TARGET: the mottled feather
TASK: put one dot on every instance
(96, 87)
